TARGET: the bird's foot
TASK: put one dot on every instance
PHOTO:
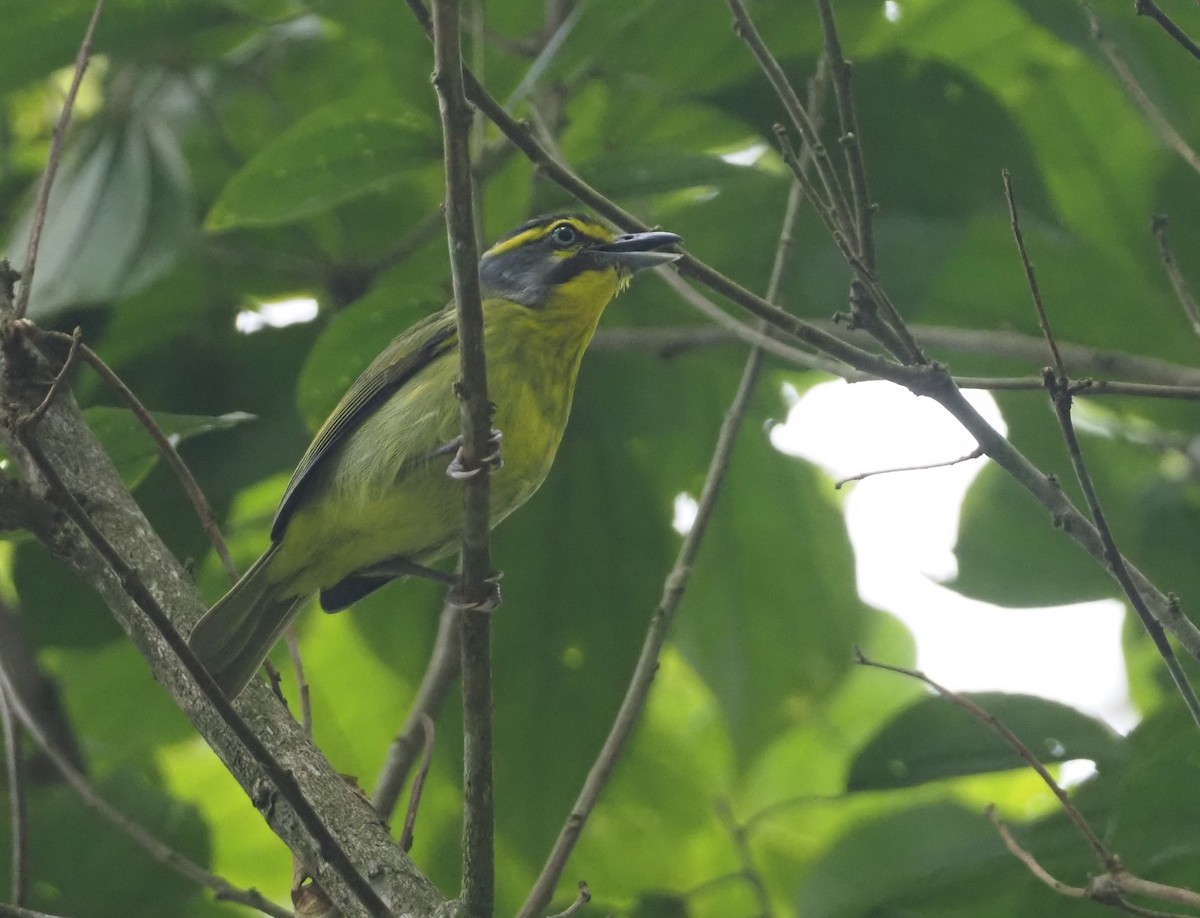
(493, 459)
(488, 603)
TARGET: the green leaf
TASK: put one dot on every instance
(887, 866)
(131, 447)
(355, 337)
(86, 866)
(334, 155)
(772, 614)
(119, 212)
(935, 739)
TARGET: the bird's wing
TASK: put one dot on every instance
(425, 342)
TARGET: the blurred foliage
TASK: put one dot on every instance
(233, 153)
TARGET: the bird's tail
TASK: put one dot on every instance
(235, 635)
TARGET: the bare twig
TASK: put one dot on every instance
(1107, 859)
(833, 200)
(414, 797)
(478, 868)
(1030, 276)
(60, 378)
(743, 332)
(1059, 388)
(445, 663)
(156, 849)
(973, 454)
(584, 897)
(860, 195)
(1158, 226)
(740, 835)
(52, 162)
(204, 511)
(1105, 888)
(669, 342)
(1153, 113)
(1152, 9)
(15, 770)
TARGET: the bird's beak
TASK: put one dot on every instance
(635, 251)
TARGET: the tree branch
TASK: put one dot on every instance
(113, 547)
(474, 590)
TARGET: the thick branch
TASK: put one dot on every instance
(149, 576)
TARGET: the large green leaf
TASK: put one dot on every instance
(83, 865)
(130, 445)
(935, 739)
(331, 156)
(772, 614)
(935, 851)
(118, 215)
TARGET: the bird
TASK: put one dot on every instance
(374, 498)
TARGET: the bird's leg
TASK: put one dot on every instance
(402, 567)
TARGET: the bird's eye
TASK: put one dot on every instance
(564, 234)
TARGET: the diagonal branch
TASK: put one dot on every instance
(113, 547)
(1155, 12)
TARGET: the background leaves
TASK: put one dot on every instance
(230, 154)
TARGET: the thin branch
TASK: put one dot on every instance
(1107, 859)
(19, 885)
(669, 342)
(1158, 226)
(445, 663)
(584, 897)
(204, 511)
(52, 162)
(833, 200)
(1059, 388)
(414, 798)
(474, 591)
(1102, 889)
(1030, 276)
(1152, 9)
(1143, 101)
(860, 194)
(973, 454)
(741, 331)
(739, 834)
(835, 212)
(60, 377)
(156, 849)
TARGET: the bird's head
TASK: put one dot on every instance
(553, 254)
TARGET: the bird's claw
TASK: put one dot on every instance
(493, 460)
(489, 603)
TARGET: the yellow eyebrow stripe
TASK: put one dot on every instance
(587, 228)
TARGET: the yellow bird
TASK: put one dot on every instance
(371, 499)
